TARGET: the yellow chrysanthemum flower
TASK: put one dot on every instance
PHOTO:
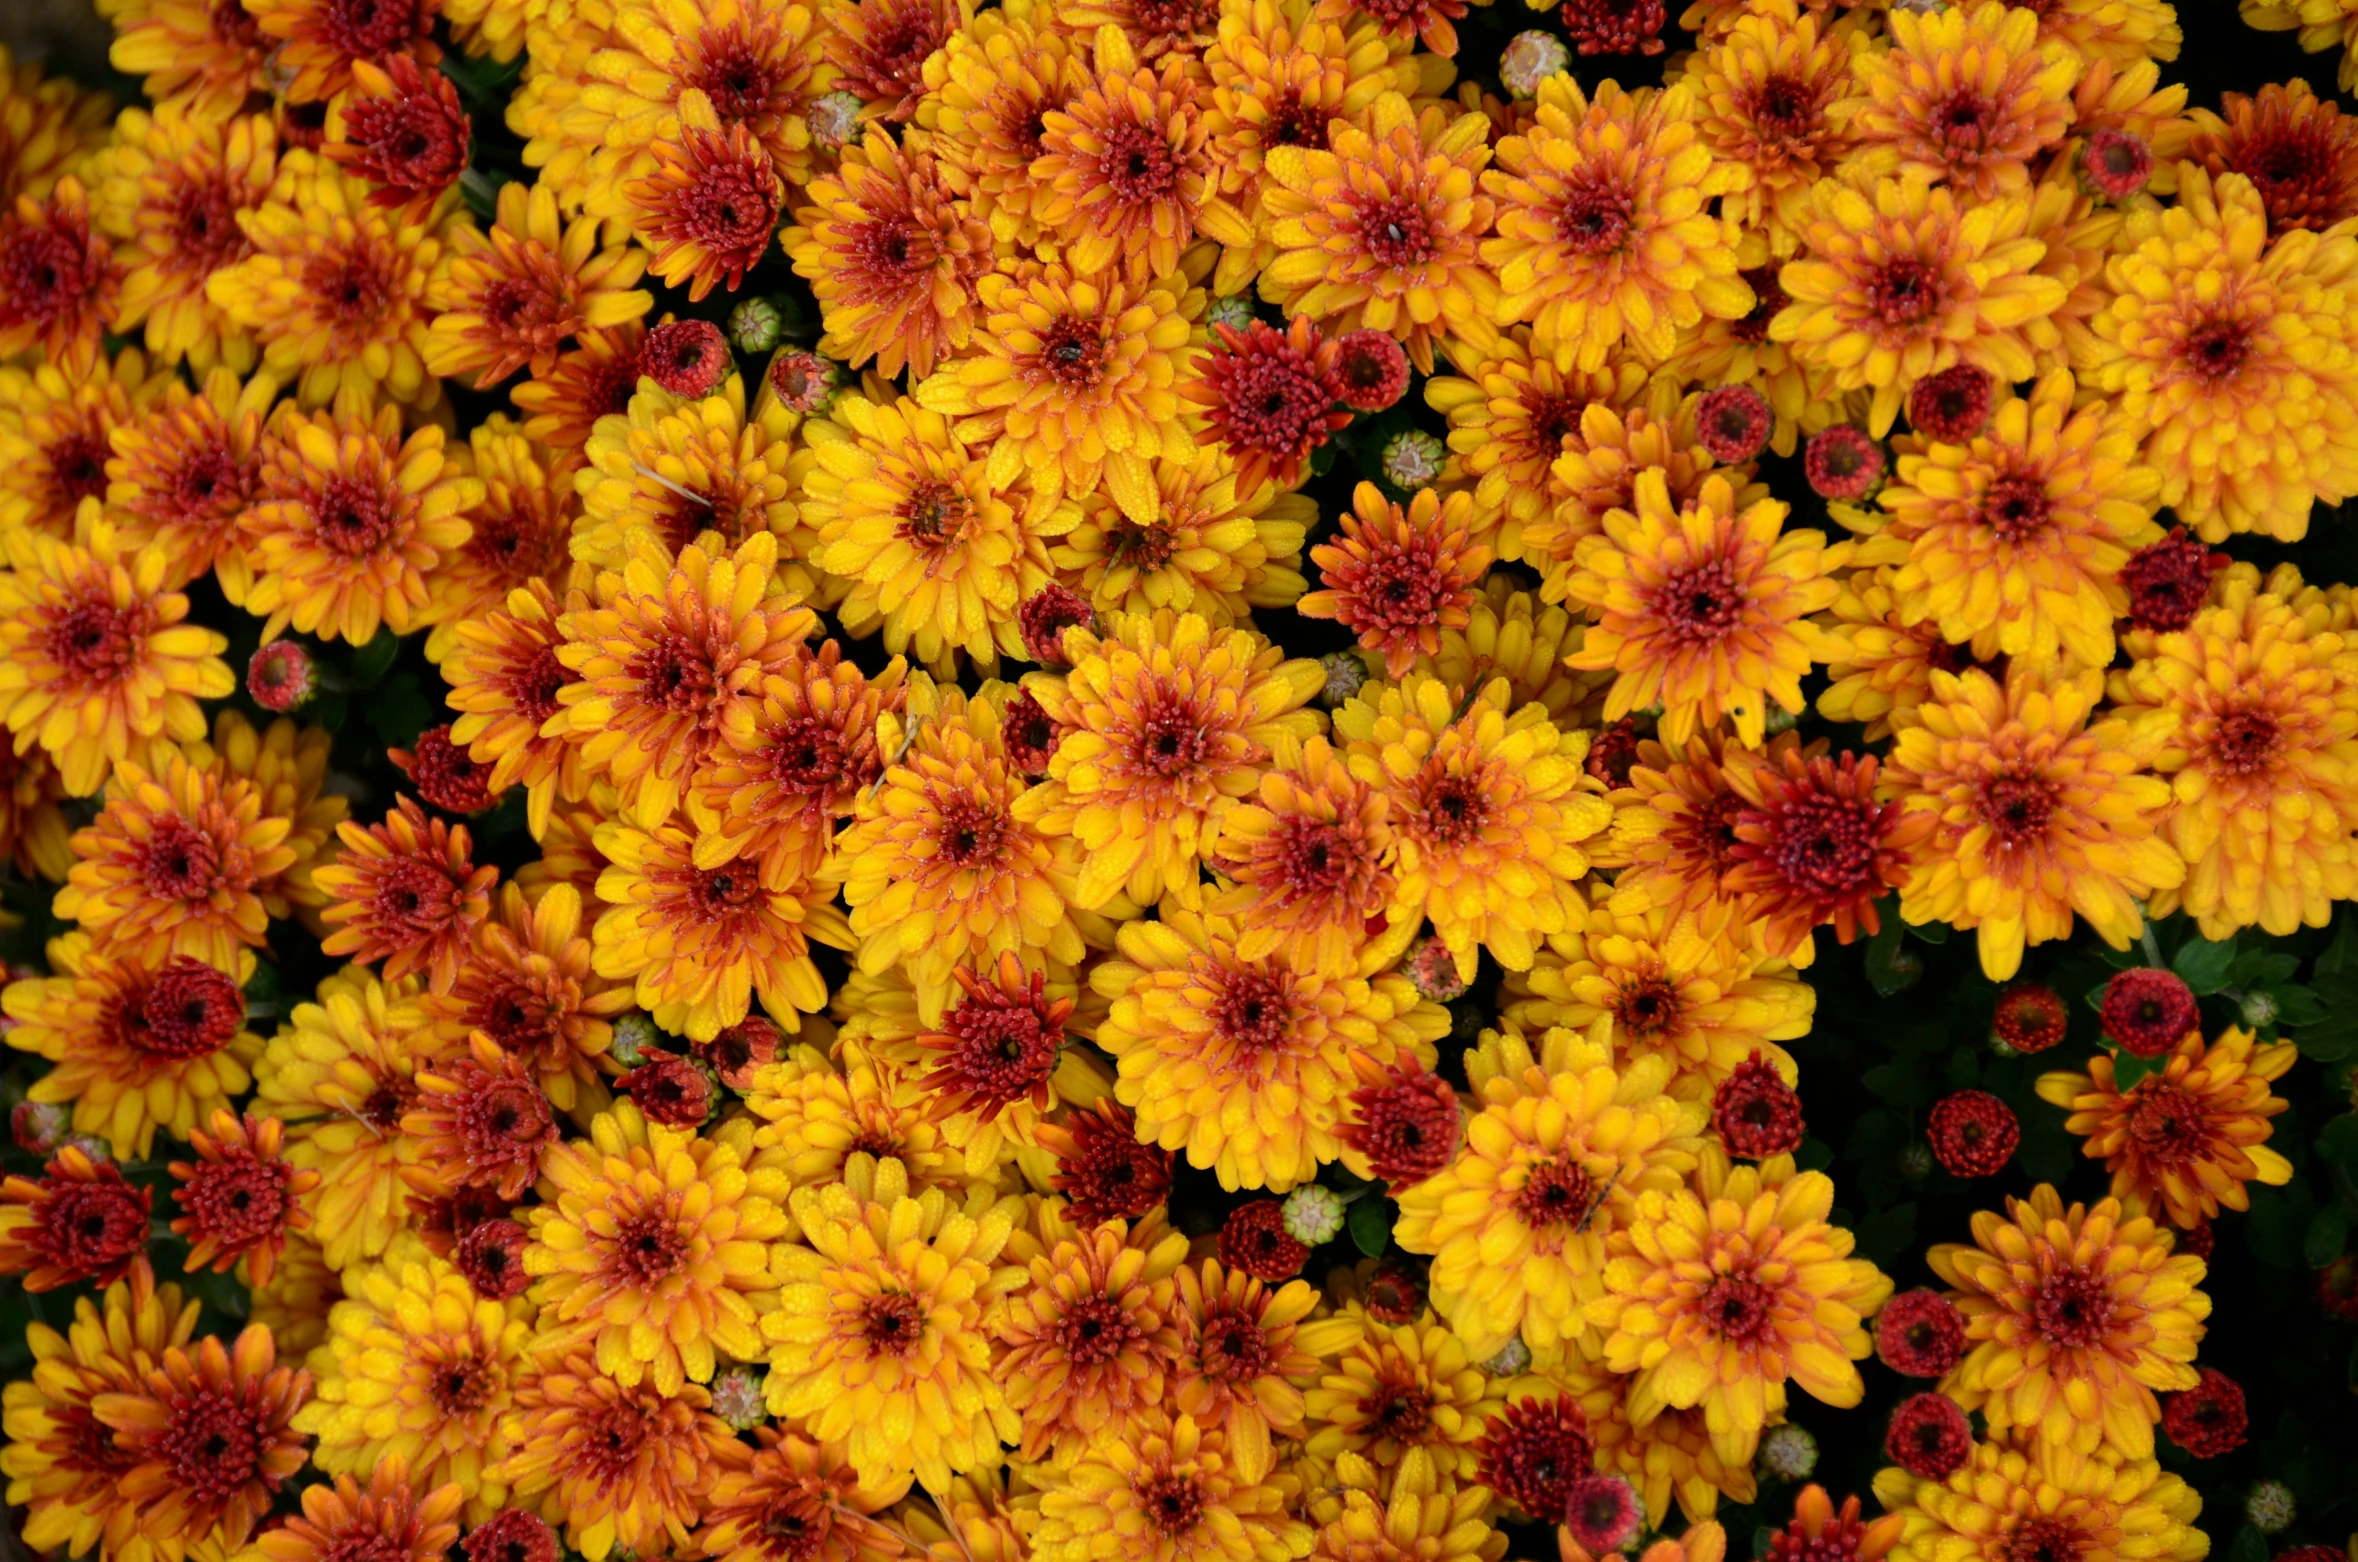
(2235, 354)
(1609, 449)
(1247, 1064)
(520, 531)
(879, 1340)
(173, 192)
(1900, 280)
(1605, 231)
(1167, 721)
(2014, 540)
(2039, 813)
(935, 552)
(1718, 1299)
(1417, 1515)
(2073, 1318)
(1176, 1494)
(1213, 546)
(1969, 97)
(340, 1074)
(1553, 1162)
(418, 1367)
(1388, 1390)
(2008, 1501)
(504, 677)
(182, 473)
(1881, 669)
(95, 664)
(56, 431)
(1087, 1344)
(510, 297)
(817, 1116)
(1488, 808)
(2256, 702)
(1671, 1460)
(1769, 86)
(49, 123)
(1703, 611)
(686, 472)
(335, 289)
(986, 90)
(1510, 633)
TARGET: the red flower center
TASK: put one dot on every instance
(2016, 806)
(1736, 1308)
(1401, 1411)
(413, 898)
(1784, 106)
(2216, 351)
(44, 271)
(2246, 741)
(1001, 1052)
(1136, 166)
(1170, 740)
(1094, 1331)
(892, 250)
(178, 861)
(674, 674)
(352, 517)
(387, 1104)
(1904, 292)
(2045, 1540)
(77, 468)
(506, 1120)
(1232, 1348)
(213, 1444)
(354, 286)
(1593, 218)
(1315, 857)
(803, 754)
(1455, 810)
(367, 29)
(725, 889)
(460, 1387)
(1171, 1503)
(729, 208)
(1702, 605)
(1961, 123)
(733, 71)
(533, 687)
(1072, 353)
(891, 1324)
(1394, 233)
(1172, 20)
(1556, 1194)
(96, 641)
(934, 514)
(190, 1010)
(2015, 509)
(646, 1249)
(1254, 1012)
(2073, 1309)
(1825, 846)
(2168, 1125)
(968, 834)
(1647, 1006)
(1768, 296)
(237, 1203)
(208, 485)
(512, 1535)
(608, 1440)
(1295, 123)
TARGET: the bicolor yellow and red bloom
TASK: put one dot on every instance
(1246, 1064)
(821, 1120)
(1241, 1358)
(1814, 846)
(1768, 87)
(1085, 1345)
(2189, 1136)
(2040, 813)
(1553, 1162)
(518, 533)
(2257, 705)
(709, 208)
(1308, 858)
(239, 1198)
(1605, 232)
(1391, 1390)
(184, 469)
(2220, 345)
(1609, 449)
(208, 60)
(2014, 540)
(1900, 280)
(1487, 808)
(2300, 154)
(892, 256)
(1074, 381)
(1380, 228)
(879, 50)
(664, 652)
(1718, 1297)
(173, 192)
(335, 289)
(1176, 1494)
(879, 1339)
(1125, 163)
(616, 1468)
(386, 1515)
(288, 767)
(58, 278)
(509, 297)
(317, 43)
(1216, 545)
(686, 470)
(417, 1367)
(96, 665)
(526, 983)
(1704, 611)
(592, 379)
(988, 90)
(2011, 1496)
(798, 1501)
(1166, 722)
(1397, 577)
(2074, 1317)
(504, 678)
(406, 892)
(1509, 417)
(1969, 98)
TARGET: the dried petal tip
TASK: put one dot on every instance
(2031, 1017)
(1603, 1514)
(686, 357)
(280, 677)
(1733, 423)
(2114, 164)
(1313, 1215)
(805, 382)
(1615, 26)
(1843, 464)
(1920, 1334)
(2270, 1507)
(1755, 1113)
(1413, 459)
(1045, 616)
(1953, 405)
(754, 325)
(1929, 1437)
(1974, 1134)
(1254, 1239)
(1529, 59)
(835, 121)
(2208, 1419)
(2148, 1011)
(1374, 370)
(1789, 1453)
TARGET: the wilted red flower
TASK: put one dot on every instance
(1534, 1451)
(444, 774)
(1254, 1239)
(240, 1198)
(2169, 581)
(79, 1222)
(2148, 1010)
(1929, 1437)
(1044, 617)
(686, 357)
(1102, 1168)
(1602, 1513)
(1407, 1123)
(1755, 1113)
(2031, 1017)
(671, 1088)
(1920, 1334)
(1973, 1133)
(740, 1049)
(404, 131)
(1374, 370)
(2208, 1419)
(1733, 422)
(1953, 405)
(1272, 398)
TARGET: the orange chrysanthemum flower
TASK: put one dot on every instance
(1241, 1359)
(2299, 153)
(139, 1039)
(1703, 611)
(1215, 544)
(1398, 577)
(58, 278)
(709, 208)
(351, 520)
(240, 1198)
(1085, 1345)
(387, 1519)
(798, 1501)
(183, 471)
(2073, 1318)
(504, 677)
(592, 379)
(988, 92)
(690, 470)
(1604, 231)
(55, 431)
(1769, 85)
(1390, 1390)
(195, 55)
(406, 892)
(2189, 1136)
(1969, 97)
(510, 297)
(1309, 858)
(892, 257)
(181, 860)
(1901, 280)
(1174, 1494)
(879, 49)
(526, 982)
(1509, 418)
(1166, 723)
(318, 41)
(519, 533)
(2040, 814)
(1125, 164)
(172, 193)
(1379, 229)
(1814, 846)
(95, 664)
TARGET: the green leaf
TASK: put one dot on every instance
(2128, 1068)
(1371, 1225)
(2339, 1142)
(375, 659)
(1888, 1233)
(1874, 1131)
(1814, 1155)
(2260, 966)
(1901, 1083)
(2204, 964)
(1932, 932)
(2249, 1546)
(2340, 958)
(1892, 967)
(1964, 1069)
(400, 712)
(2328, 1234)
(2297, 1008)
(2279, 1221)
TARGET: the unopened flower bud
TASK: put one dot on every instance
(737, 1397)
(1313, 1215)
(1432, 970)
(1234, 311)
(1346, 674)
(834, 121)
(38, 1126)
(1789, 1453)
(1529, 59)
(1916, 1160)
(1413, 459)
(634, 1033)
(1512, 1361)
(754, 325)
(2114, 165)
(2260, 1008)
(2270, 1507)
(280, 677)
(805, 382)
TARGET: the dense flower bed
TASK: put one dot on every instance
(1183, 780)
